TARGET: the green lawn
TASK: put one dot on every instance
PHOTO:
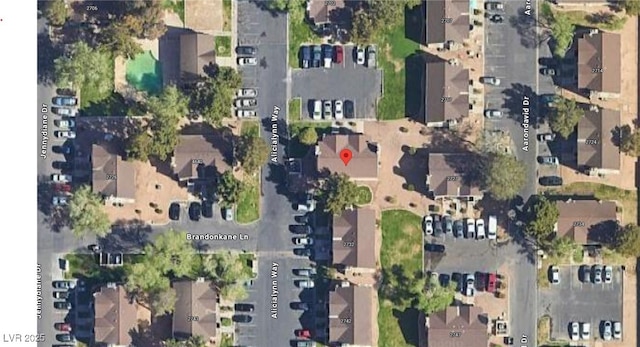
(85, 266)
(299, 33)
(394, 48)
(248, 208)
(251, 128)
(586, 19)
(175, 6)
(401, 245)
(226, 7)
(295, 109)
(364, 195)
(227, 340)
(223, 46)
(297, 149)
(90, 94)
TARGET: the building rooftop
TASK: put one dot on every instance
(596, 139)
(195, 299)
(354, 238)
(465, 320)
(578, 218)
(350, 316)
(115, 316)
(364, 160)
(111, 175)
(599, 62)
(450, 175)
(447, 20)
(446, 92)
(194, 151)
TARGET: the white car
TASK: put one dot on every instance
(607, 326)
(305, 284)
(494, 81)
(66, 134)
(303, 241)
(61, 178)
(371, 56)
(575, 331)
(59, 200)
(586, 331)
(247, 93)
(471, 228)
(246, 103)
(247, 61)
(65, 123)
(360, 55)
(317, 110)
(69, 112)
(338, 109)
(228, 214)
(492, 230)
(245, 113)
(480, 229)
(427, 224)
(327, 109)
(554, 274)
(617, 330)
(469, 285)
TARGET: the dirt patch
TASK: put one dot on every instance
(397, 65)
(206, 16)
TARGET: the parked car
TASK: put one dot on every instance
(65, 134)
(371, 56)
(65, 101)
(492, 229)
(59, 200)
(302, 241)
(338, 109)
(65, 123)
(574, 331)
(63, 284)
(246, 103)
(174, 211)
(243, 307)
(207, 209)
(597, 274)
(61, 295)
(62, 188)
(339, 54)
(228, 214)
(548, 100)
(327, 110)
(305, 52)
(62, 165)
(195, 210)
(608, 274)
(548, 160)
(301, 229)
(437, 225)
(585, 273)
(247, 93)
(494, 81)
(303, 252)
(62, 305)
(427, 224)
(251, 61)
(617, 330)
(304, 283)
(491, 113)
(305, 344)
(607, 330)
(554, 274)
(304, 333)
(586, 331)
(65, 111)
(469, 285)
(305, 272)
(246, 50)
(481, 235)
(447, 224)
(550, 181)
(492, 282)
(327, 52)
(317, 110)
(497, 19)
(242, 318)
(547, 137)
(494, 6)
(61, 178)
(548, 71)
(458, 226)
(317, 56)
(471, 228)
(62, 326)
(246, 113)
(65, 338)
(300, 306)
(359, 55)
(434, 247)
(302, 219)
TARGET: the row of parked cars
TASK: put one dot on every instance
(608, 330)
(304, 277)
(325, 55)
(65, 106)
(470, 228)
(597, 274)
(62, 295)
(328, 109)
(199, 209)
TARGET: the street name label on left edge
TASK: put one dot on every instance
(527, 7)
(44, 131)
(525, 123)
(274, 134)
(274, 290)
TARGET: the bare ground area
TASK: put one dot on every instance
(205, 16)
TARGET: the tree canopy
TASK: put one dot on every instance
(562, 246)
(86, 213)
(85, 68)
(629, 141)
(632, 7)
(562, 30)
(56, 12)
(339, 193)
(192, 341)
(542, 217)
(226, 269)
(504, 176)
(252, 152)
(375, 16)
(119, 40)
(436, 297)
(229, 188)
(628, 240)
(308, 136)
(565, 116)
(213, 97)
(414, 290)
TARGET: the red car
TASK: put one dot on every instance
(305, 333)
(338, 54)
(491, 282)
(62, 188)
(62, 326)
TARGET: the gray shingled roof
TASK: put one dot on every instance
(596, 147)
(599, 62)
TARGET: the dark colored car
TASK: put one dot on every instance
(301, 229)
(65, 338)
(195, 210)
(550, 181)
(338, 54)
(492, 280)
(242, 318)
(62, 165)
(585, 273)
(447, 223)
(207, 209)
(61, 295)
(458, 227)
(243, 307)
(174, 211)
(305, 53)
(317, 56)
(303, 252)
(437, 225)
(433, 247)
(62, 188)
(246, 50)
(496, 18)
(547, 71)
(302, 219)
(62, 305)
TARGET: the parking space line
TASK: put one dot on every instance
(495, 56)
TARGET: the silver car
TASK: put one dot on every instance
(608, 274)
(574, 331)
(66, 134)
(305, 283)
(247, 93)
(597, 274)
(549, 160)
(246, 103)
(371, 56)
(469, 285)
(492, 113)
(247, 61)
(360, 55)
(494, 81)
(617, 330)
(607, 330)
(327, 109)
(245, 113)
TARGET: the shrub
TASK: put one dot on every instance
(411, 187)
(226, 322)
(413, 150)
(158, 210)
(390, 199)
(153, 205)
(412, 204)
(404, 130)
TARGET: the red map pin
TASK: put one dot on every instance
(346, 155)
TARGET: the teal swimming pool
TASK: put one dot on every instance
(144, 73)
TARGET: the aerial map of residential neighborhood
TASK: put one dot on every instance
(364, 173)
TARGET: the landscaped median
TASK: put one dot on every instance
(401, 248)
(364, 196)
(223, 46)
(295, 109)
(248, 207)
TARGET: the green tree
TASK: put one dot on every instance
(229, 188)
(143, 278)
(632, 7)
(308, 136)
(252, 152)
(565, 116)
(340, 193)
(364, 27)
(192, 341)
(562, 246)
(139, 146)
(213, 96)
(436, 297)
(163, 301)
(562, 30)
(504, 176)
(295, 8)
(85, 67)
(227, 271)
(167, 110)
(145, 19)
(87, 215)
(118, 39)
(173, 254)
(56, 12)
(629, 141)
(628, 240)
(542, 217)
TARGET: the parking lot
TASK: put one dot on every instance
(462, 255)
(574, 301)
(347, 81)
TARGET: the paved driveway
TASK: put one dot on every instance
(571, 301)
(347, 81)
(463, 255)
